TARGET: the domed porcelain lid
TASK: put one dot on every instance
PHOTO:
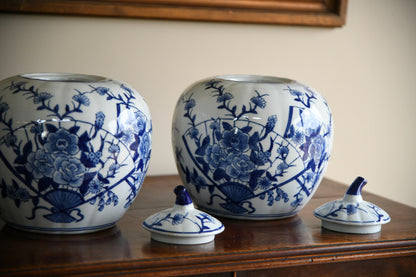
(183, 224)
(352, 214)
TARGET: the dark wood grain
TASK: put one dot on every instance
(294, 246)
(329, 13)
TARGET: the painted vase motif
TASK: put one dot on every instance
(251, 147)
(74, 151)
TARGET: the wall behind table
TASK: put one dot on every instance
(365, 70)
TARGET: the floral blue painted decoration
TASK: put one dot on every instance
(74, 150)
(250, 149)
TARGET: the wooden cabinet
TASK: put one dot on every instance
(296, 246)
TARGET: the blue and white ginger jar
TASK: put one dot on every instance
(74, 150)
(251, 147)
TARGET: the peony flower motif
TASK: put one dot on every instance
(234, 141)
(140, 122)
(215, 156)
(239, 167)
(69, 171)
(81, 99)
(40, 164)
(62, 143)
(316, 148)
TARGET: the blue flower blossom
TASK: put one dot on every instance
(62, 143)
(177, 219)
(114, 149)
(95, 186)
(351, 209)
(69, 171)
(298, 137)
(283, 151)
(145, 144)
(224, 97)
(10, 139)
(271, 122)
(193, 133)
(214, 126)
(41, 97)
(3, 107)
(99, 119)
(113, 168)
(260, 157)
(102, 90)
(316, 148)
(239, 167)
(189, 104)
(40, 164)
(259, 101)
(81, 99)
(282, 167)
(215, 156)
(16, 193)
(264, 183)
(140, 122)
(235, 141)
(94, 157)
(36, 129)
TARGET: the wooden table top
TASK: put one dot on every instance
(244, 245)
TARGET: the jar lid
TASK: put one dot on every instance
(183, 224)
(352, 214)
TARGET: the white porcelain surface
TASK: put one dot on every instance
(74, 150)
(251, 147)
(183, 224)
(352, 214)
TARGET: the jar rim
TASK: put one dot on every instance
(63, 77)
(254, 79)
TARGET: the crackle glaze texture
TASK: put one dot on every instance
(251, 147)
(74, 150)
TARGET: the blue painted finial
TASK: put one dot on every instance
(182, 196)
(356, 186)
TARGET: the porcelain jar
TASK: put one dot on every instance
(251, 147)
(74, 150)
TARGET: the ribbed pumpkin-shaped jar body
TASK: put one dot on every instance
(74, 150)
(251, 147)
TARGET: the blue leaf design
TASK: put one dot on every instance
(227, 126)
